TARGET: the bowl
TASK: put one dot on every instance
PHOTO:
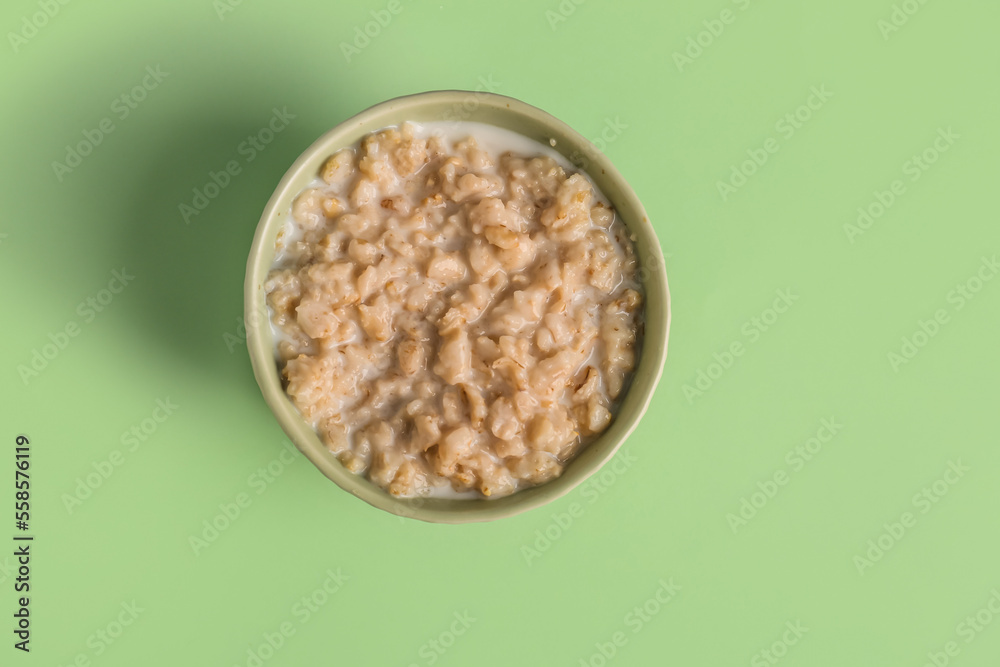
(512, 114)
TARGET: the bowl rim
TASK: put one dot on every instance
(259, 345)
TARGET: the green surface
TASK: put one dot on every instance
(172, 334)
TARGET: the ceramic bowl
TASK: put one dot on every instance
(536, 124)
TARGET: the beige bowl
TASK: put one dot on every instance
(534, 123)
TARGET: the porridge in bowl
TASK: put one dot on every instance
(455, 310)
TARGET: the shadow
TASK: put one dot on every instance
(193, 261)
(186, 224)
(186, 304)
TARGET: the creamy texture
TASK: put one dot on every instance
(454, 314)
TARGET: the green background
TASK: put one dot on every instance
(170, 335)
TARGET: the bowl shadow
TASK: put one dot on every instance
(189, 230)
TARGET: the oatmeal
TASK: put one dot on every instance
(451, 315)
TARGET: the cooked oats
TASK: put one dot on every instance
(454, 315)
